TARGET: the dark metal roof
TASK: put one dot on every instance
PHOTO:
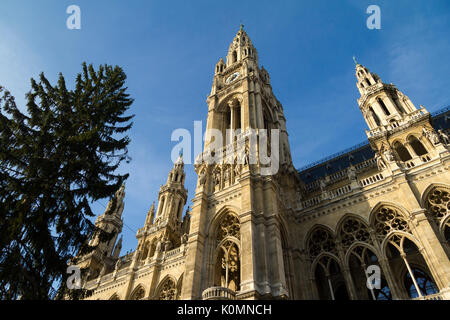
(359, 153)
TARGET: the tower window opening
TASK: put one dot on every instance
(238, 118)
(402, 152)
(399, 106)
(417, 146)
(234, 56)
(367, 82)
(161, 206)
(375, 117)
(383, 106)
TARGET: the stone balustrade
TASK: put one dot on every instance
(218, 293)
(371, 180)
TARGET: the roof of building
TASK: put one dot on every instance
(359, 153)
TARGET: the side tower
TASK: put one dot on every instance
(103, 258)
(164, 228)
(239, 214)
(401, 135)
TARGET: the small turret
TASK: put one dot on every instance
(381, 104)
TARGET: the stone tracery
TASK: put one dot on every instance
(168, 290)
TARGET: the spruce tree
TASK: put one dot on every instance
(55, 161)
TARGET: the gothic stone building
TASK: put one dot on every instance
(296, 234)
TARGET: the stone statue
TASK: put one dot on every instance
(202, 179)
(351, 173)
(217, 177)
(237, 170)
(322, 185)
(103, 271)
(388, 155)
(226, 175)
(380, 162)
(184, 238)
(431, 135)
(167, 245)
(444, 138)
(158, 246)
(246, 155)
(118, 264)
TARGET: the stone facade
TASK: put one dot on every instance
(296, 234)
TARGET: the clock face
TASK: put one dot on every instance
(232, 77)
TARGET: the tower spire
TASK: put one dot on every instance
(381, 104)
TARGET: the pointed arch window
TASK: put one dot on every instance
(424, 282)
(161, 206)
(402, 152)
(375, 117)
(168, 290)
(383, 106)
(417, 146)
(437, 204)
(234, 56)
(227, 272)
(329, 280)
(321, 241)
(138, 293)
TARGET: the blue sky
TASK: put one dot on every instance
(169, 49)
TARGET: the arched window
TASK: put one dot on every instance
(402, 152)
(375, 117)
(401, 253)
(138, 293)
(228, 118)
(353, 230)
(161, 205)
(399, 105)
(329, 280)
(388, 219)
(424, 282)
(320, 241)
(360, 259)
(368, 83)
(227, 272)
(234, 56)
(437, 204)
(168, 290)
(180, 210)
(238, 117)
(114, 297)
(417, 146)
(383, 106)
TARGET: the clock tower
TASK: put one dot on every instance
(240, 214)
